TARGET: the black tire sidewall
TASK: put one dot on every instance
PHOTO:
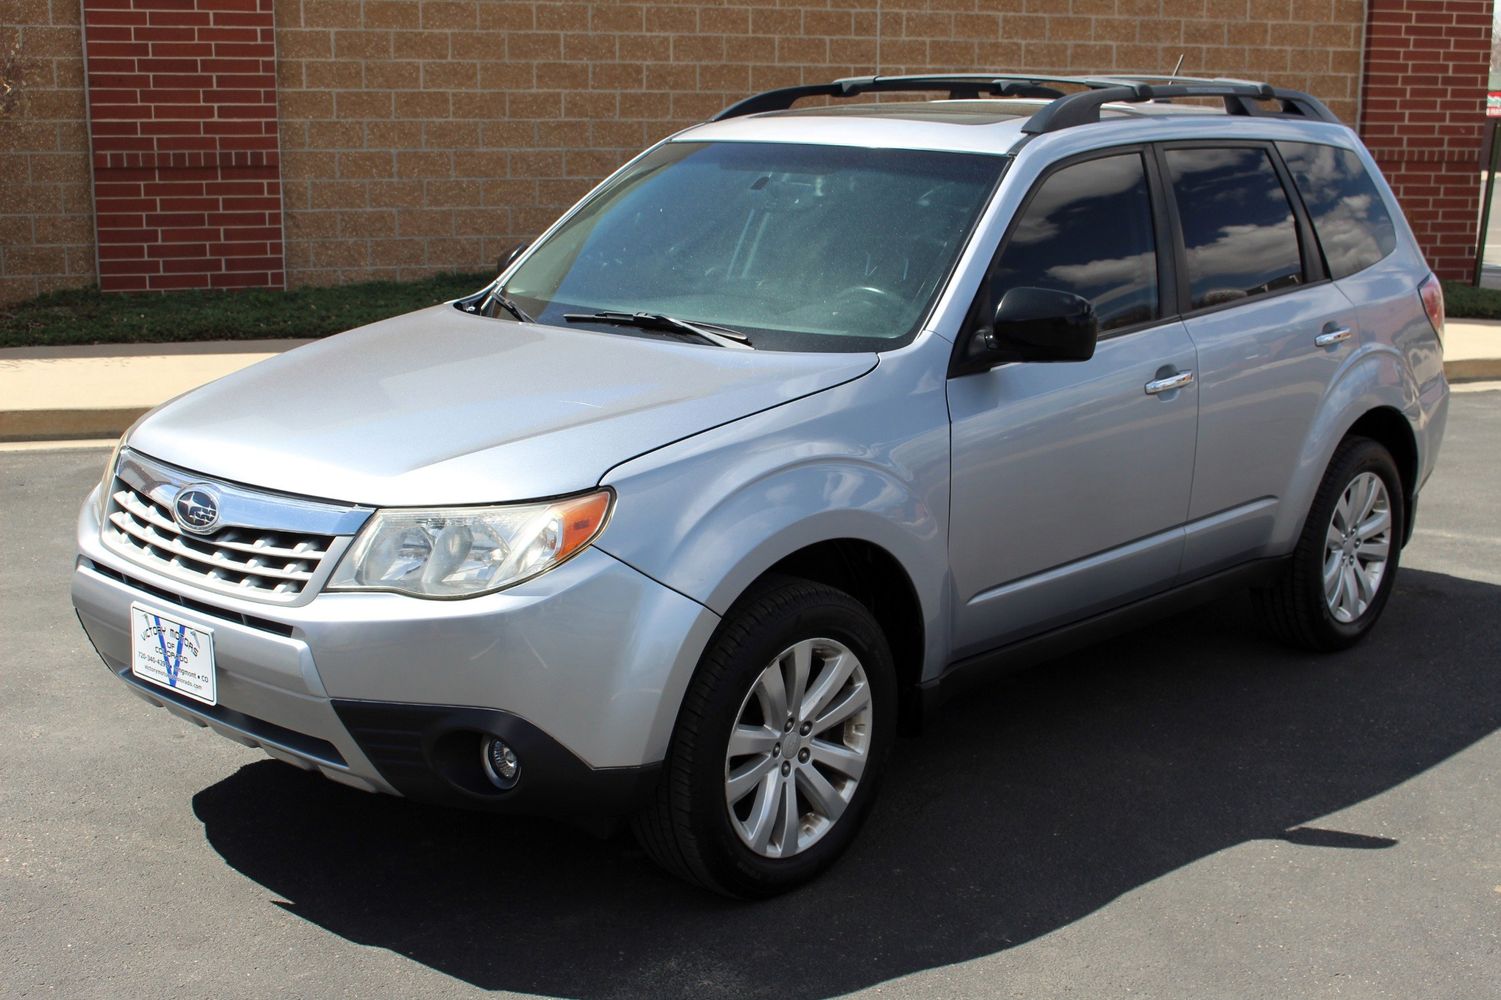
(1362, 455)
(815, 612)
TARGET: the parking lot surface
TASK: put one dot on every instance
(1190, 810)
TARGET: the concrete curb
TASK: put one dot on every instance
(66, 425)
(172, 369)
(87, 391)
(1473, 370)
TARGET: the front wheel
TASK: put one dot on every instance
(780, 743)
(1345, 564)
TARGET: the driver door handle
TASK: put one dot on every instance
(1169, 383)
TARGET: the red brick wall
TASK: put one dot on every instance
(183, 125)
(1423, 117)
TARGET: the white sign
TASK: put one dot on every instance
(172, 655)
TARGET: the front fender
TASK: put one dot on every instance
(867, 460)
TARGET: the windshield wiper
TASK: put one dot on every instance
(499, 298)
(721, 335)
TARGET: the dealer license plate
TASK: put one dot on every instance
(172, 655)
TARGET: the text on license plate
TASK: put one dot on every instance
(172, 655)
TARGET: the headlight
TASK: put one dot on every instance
(108, 480)
(466, 551)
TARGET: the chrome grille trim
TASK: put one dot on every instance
(241, 506)
(180, 547)
(268, 547)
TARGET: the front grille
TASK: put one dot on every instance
(178, 600)
(252, 561)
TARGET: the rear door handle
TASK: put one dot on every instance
(1169, 383)
(1331, 337)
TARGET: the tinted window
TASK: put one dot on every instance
(1348, 214)
(1238, 227)
(1088, 230)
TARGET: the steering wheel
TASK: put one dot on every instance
(868, 295)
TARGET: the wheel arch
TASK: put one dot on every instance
(875, 578)
(1374, 396)
(1389, 428)
(889, 564)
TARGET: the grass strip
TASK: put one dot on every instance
(1463, 300)
(85, 316)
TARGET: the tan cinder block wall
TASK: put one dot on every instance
(436, 134)
(46, 208)
(426, 135)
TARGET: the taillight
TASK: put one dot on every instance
(1432, 294)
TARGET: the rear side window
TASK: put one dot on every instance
(1353, 225)
(1088, 230)
(1238, 228)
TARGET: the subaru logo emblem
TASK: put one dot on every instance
(196, 509)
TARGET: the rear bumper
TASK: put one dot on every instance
(1428, 428)
(1433, 405)
(581, 671)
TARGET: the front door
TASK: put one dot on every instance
(1071, 481)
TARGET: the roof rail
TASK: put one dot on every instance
(1241, 97)
(1064, 110)
(960, 86)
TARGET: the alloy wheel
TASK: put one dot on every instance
(800, 744)
(1356, 547)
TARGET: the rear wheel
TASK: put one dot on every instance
(780, 743)
(1345, 564)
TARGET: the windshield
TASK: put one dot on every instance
(803, 248)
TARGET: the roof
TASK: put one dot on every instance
(978, 126)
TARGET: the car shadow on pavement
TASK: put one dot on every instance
(1034, 802)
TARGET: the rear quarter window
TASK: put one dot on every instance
(1354, 228)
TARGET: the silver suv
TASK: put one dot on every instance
(800, 420)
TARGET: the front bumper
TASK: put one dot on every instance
(581, 670)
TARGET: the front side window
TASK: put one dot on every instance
(1087, 230)
(801, 247)
(1239, 233)
(1354, 228)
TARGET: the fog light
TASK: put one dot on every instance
(500, 763)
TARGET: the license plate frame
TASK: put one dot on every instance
(172, 654)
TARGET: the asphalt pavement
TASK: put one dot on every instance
(1187, 811)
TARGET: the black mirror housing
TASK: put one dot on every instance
(1034, 324)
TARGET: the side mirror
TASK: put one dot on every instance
(510, 258)
(1034, 324)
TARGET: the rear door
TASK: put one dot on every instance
(1271, 331)
(1071, 480)
(1358, 237)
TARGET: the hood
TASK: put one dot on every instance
(443, 407)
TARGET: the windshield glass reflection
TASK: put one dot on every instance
(802, 247)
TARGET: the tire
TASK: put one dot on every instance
(740, 838)
(1299, 608)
